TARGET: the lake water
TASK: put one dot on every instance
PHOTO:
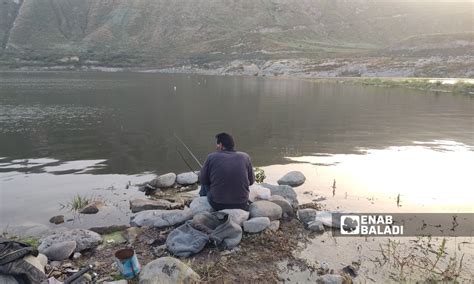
(70, 133)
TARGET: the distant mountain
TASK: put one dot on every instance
(167, 32)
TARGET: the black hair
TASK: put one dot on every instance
(226, 140)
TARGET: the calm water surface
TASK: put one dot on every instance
(92, 133)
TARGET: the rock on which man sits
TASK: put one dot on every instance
(256, 224)
(85, 239)
(164, 181)
(294, 178)
(200, 204)
(161, 218)
(285, 191)
(263, 208)
(89, 209)
(187, 178)
(307, 215)
(167, 270)
(237, 215)
(284, 204)
(60, 251)
(140, 204)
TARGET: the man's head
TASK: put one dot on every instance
(225, 142)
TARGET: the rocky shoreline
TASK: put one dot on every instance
(164, 232)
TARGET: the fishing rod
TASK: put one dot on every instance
(184, 160)
(189, 151)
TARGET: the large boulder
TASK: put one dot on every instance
(164, 181)
(263, 208)
(284, 204)
(285, 191)
(258, 192)
(60, 251)
(200, 204)
(85, 239)
(187, 178)
(140, 204)
(256, 224)
(237, 215)
(294, 178)
(167, 270)
(162, 218)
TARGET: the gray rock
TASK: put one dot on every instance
(200, 204)
(60, 251)
(274, 225)
(109, 229)
(162, 218)
(85, 239)
(237, 215)
(316, 226)
(187, 178)
(307, 215)
(89, 209)
(57, 219)
(167, 270)
(164, 181)
(284, 204)
(263, 208)
(330, 279)
(256, 224)
(76, 255)
(285, 191)
(294, 178)
(140, 204)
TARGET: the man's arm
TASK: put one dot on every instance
(204, 173)
(251, 174)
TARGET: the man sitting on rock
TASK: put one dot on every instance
(226, 176)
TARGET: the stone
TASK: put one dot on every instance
(85, 239)
(258, 192)
(284, 204)
(200, 204)
(307, 215)
(187, 178)
(256, 224)
(76, 255)
(316, 226)
(162, 218)
(285, 191)
(164, 181)
(60, 251)
(324, 266)
(109, 229)
(237, 215)
(140, 204)
(167, 270)
(123, 281)
(264, 208)
(330, 279)
(293, 178)
(274, 225)
(57, 219)
(89, 209)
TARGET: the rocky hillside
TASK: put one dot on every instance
(155, 32)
